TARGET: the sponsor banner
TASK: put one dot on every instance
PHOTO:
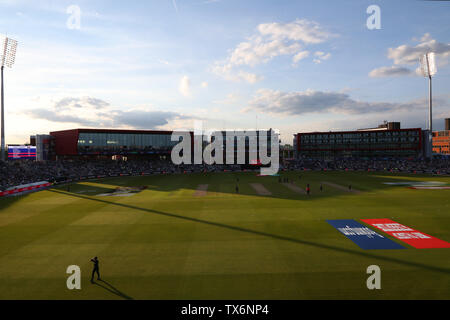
(422, 185)
(417, 239)
(430, 188)
(364, 237)
(25, 188)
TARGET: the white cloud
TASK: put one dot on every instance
(226, 72)
(204, 84)
(300, 30)
(392, 71)
(249, 77)
(300, 56)
(321, 56)
(185, 86)
(408, 55)
(270, 41)
(259, 50)
(87, 102)
(310, 101)
(93, 112)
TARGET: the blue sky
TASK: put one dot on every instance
(291, 65)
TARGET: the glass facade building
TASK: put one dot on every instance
(360, 144)
(94, 141)
(103, 142)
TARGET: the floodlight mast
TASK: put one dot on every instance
(8, 56)
(428, 64)
(3, 103)
(3, 123)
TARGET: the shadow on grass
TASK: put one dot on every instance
(365, 182)
(85, 187)
(357, 179)
(266, 234)
(6, 202)
(109, 287)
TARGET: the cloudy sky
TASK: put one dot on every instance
(295, 66)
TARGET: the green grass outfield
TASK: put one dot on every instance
(166, 243)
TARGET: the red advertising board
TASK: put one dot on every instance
(417, 239)
(24, 189)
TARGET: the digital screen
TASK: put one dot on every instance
(21, 152)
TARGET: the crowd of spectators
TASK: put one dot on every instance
(437, 166)
(15, 173)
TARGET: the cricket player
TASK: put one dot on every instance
(95, 270)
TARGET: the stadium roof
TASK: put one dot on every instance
(129, 131)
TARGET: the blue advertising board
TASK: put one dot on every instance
(21, 152)
(364, 237)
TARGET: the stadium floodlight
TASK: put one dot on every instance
(428, 64)
(428, 67)
(7, 58)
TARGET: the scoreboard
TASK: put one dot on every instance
(21, 152)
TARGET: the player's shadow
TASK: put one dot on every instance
(109, 287)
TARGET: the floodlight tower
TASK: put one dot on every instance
(428, 67)
(7, 57)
